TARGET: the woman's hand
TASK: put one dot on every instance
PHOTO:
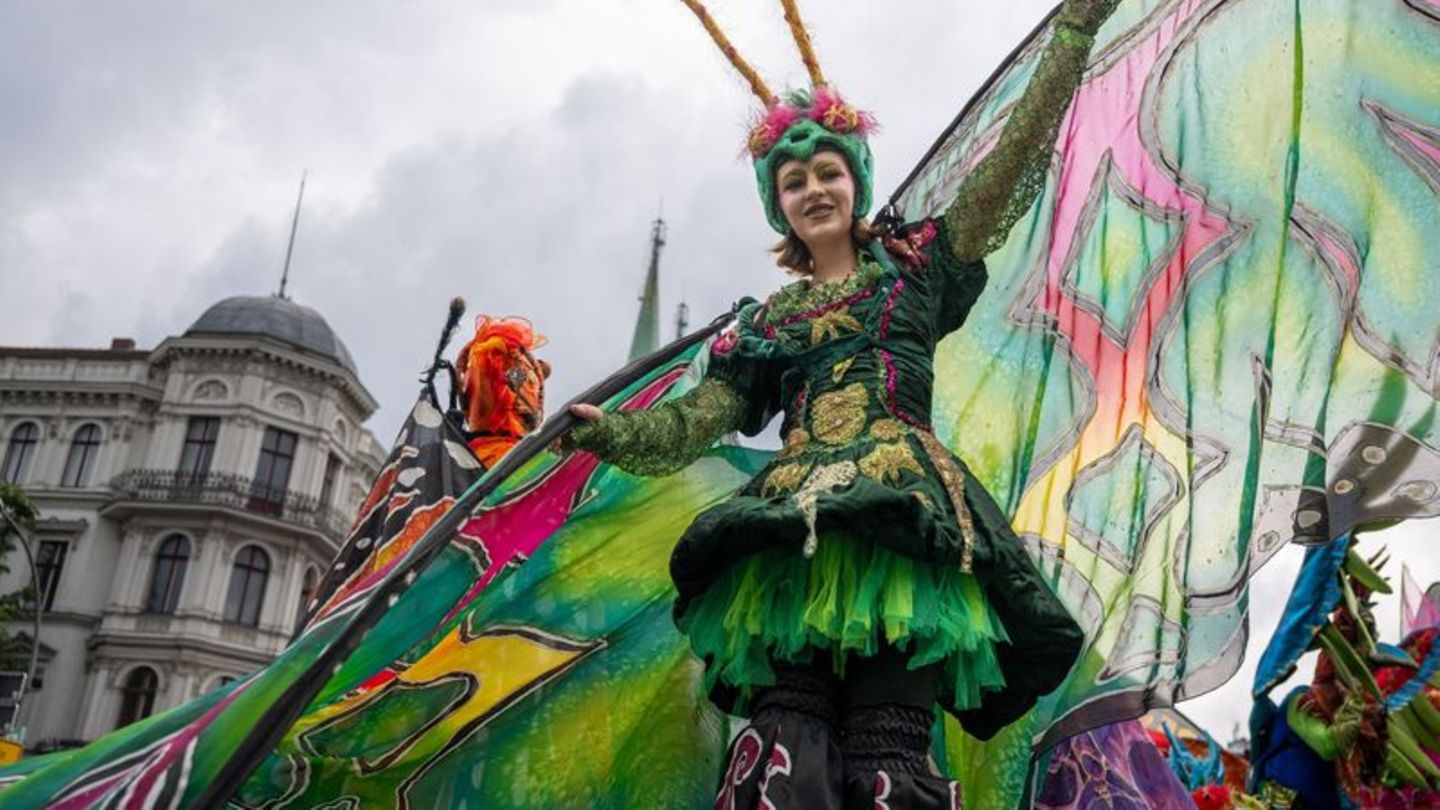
(587, 413)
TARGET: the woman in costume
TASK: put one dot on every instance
(863, 576)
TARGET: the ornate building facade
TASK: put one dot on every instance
(190, 497)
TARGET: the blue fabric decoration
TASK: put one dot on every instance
(1194, 772)
(1314, 596)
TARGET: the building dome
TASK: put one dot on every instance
(279, 318)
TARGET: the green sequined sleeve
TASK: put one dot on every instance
(667, 438)
(999, 191)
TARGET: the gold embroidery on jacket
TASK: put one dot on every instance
(838, 416)
(826, 477)
(795, 442)
(886, 430)
(954, 481)
(784, 479)
(831, 325)
(888, 461)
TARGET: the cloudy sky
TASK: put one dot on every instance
(513, 152)
(510, 151)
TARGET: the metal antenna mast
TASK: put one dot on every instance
(682, 320)
(290, 249)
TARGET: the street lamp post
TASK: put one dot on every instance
(39, 607)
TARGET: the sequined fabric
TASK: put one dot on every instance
(665, 439)
(802, 297)
(1004, 185)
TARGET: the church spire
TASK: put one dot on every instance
(647, 326)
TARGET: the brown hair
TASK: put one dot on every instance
(792, 254)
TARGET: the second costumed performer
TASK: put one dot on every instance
(863, 577)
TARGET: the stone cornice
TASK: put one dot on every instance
(113, 646)
(60, 353)
(53, 527)
(46, 392)
(134, 511)
(53, 497)
(272, 350)
(50, 618)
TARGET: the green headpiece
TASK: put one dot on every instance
(806, 125)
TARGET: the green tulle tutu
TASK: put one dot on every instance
(848, 599)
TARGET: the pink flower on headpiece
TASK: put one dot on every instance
(908, 245)
(777, 118)
(725, 343)
(829, 110)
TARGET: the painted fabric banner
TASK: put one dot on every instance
(584, 623)
(1218, 323)
(562, 684)
(1115, 767)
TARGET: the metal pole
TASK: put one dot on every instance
(39, 607)
(290, 248)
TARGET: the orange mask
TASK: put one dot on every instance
(502, 385)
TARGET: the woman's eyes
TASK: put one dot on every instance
(797, 183)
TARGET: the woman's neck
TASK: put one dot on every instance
(832, 262)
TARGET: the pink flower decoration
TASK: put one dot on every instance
(831, 111)
(725, 343)
(910, 247)
(772, 124)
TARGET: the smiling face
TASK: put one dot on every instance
(817, 197)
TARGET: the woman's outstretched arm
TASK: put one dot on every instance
(1004, 184)
(664, 439)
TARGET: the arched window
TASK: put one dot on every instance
(247, 586)
(307, 592)
(170, 564)
(199, 448)
(83, 450)
(137, 695)
(272, 473)
(18, 453)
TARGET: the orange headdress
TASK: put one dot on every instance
(502, 385)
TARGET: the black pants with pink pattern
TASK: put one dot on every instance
(820, 742)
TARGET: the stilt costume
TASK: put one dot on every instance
(864, 533)
(1212, 333)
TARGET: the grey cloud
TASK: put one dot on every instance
(548, 219)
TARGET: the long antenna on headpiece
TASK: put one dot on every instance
(802, 41)
(757, 85)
